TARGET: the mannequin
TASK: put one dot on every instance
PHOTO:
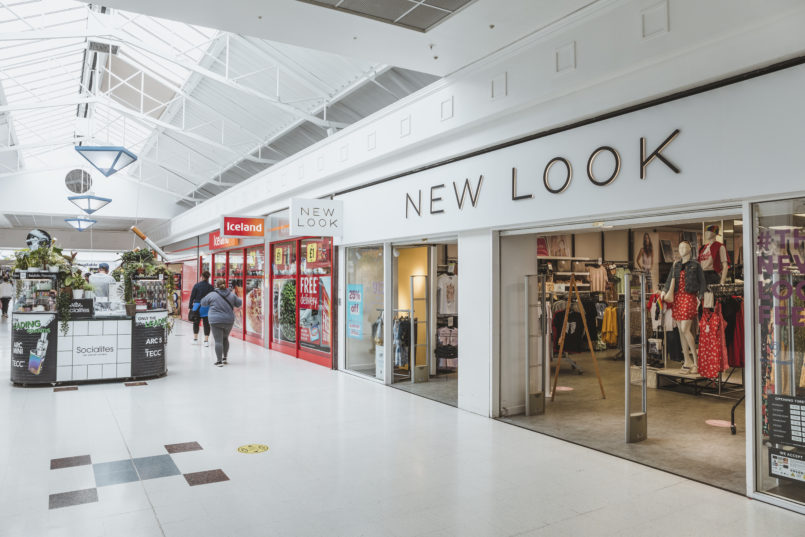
(713, 257)
(685, 285)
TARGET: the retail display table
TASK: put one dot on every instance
(95, 349)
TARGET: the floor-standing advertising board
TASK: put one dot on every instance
(33, 352)
(148, 343)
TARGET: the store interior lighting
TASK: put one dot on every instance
(80, 223)
(89, 203)
(107, 159)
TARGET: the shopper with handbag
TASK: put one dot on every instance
(196, 314)
(221, 303)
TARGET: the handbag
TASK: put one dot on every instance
(193, 314)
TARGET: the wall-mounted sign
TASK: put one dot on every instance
(217, 242)
(318, 218)
(242, 226)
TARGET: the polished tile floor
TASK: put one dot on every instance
(345, 457)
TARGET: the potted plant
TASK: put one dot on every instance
(38, 259)
(56, 260)
(21, 257)
(75, 282)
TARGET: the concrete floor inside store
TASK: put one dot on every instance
(442, 387)
(346, 457)
(679, 439)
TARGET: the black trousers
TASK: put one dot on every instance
(5, 300)
(206, 321)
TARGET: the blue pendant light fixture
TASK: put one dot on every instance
(89, 203)
(107, 159)
(80, 223)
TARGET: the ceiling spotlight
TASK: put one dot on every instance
(81, 223)
(89, 203)
(107, 159)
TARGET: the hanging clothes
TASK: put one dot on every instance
(402, 341)
(598, 279)
(609, 326)
(712, 344)
(732, 308)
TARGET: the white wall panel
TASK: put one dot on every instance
(615, 66)
(475, 309)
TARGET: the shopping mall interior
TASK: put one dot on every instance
(410, 268)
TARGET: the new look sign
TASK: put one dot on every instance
(320, 218)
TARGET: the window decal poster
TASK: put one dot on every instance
(355, 311)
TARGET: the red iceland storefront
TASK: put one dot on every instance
(301, 300)
(243, 268)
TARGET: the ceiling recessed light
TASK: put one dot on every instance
(737, 222)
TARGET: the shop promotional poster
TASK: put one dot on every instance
(33, 349)
(148, 344)
(314, 310)
(355, 311)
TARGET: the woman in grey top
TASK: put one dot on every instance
(221, 303)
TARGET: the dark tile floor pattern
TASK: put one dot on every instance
(183, 447)
(130, 470)
(139, 383)
(206, 477)
(157, 466)
(114, 473)
(65, 389)
(69, 462)
(76, 497)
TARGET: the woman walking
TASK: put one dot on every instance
(221, 303)
(200, 290)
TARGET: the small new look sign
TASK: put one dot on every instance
(320, 218)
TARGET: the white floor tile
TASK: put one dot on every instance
(346, 458)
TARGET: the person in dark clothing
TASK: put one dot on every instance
(221, 303)
(200, 290)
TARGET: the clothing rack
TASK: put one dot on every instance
(724, 392)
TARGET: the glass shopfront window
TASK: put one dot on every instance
(779, 309)
(236, 284)
(364, 311)
(315, 294)
(283, 293)
(219, 265)
(253, 307)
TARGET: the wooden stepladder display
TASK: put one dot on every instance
(573, 289)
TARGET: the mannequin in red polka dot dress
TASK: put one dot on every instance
(683, 288)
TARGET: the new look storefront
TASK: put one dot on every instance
(638, 195)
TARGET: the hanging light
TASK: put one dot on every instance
(89, 203)
(107, 159)
(80, 223)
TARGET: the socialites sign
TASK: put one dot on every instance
(242, 226)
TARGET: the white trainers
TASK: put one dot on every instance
(206, 343)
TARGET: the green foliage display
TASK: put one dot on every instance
(63, 300)
(287, 320)
(142, 262)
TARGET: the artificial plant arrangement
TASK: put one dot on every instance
(287, 318)
(142, 262)
(53, 259)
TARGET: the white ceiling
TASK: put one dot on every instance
(202, 108)
(458, 41)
